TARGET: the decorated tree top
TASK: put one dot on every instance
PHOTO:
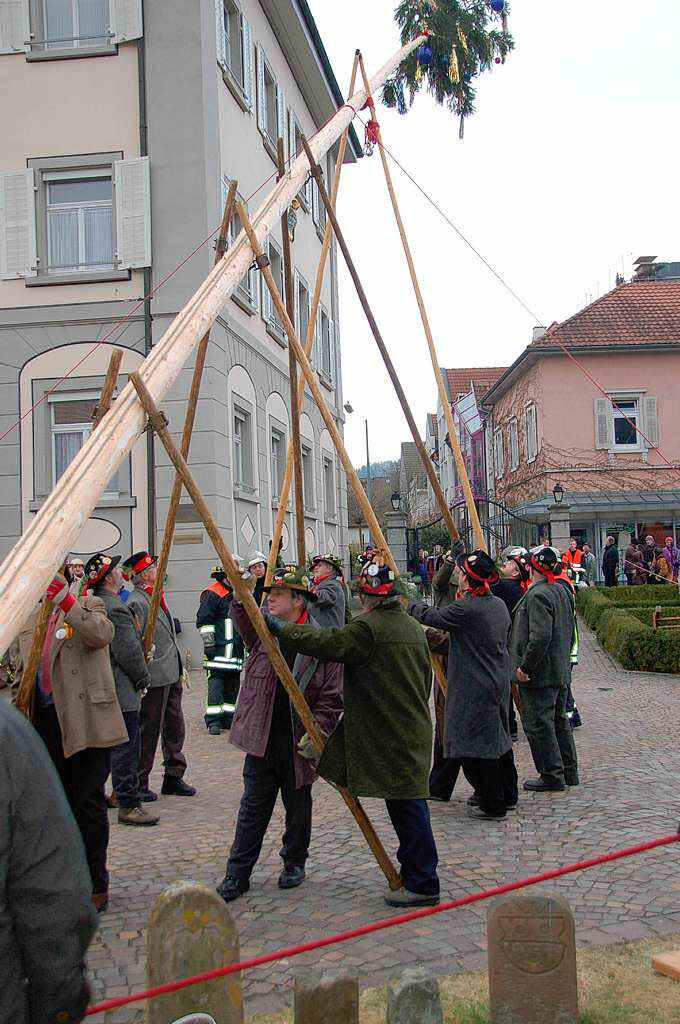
(465, 38)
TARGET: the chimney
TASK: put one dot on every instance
(537, 333)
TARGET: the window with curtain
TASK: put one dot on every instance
(325, 344)
(307, 477)
(329, 486)
(71, 425)
(79, 222)
(70, 23)
(278, 456)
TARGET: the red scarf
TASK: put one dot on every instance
(149, 591)
(322, 579)
(303, 619)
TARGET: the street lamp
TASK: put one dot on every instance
(558, 493)
(396, 500)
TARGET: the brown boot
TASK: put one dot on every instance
(136, 816)
(111, 800)
(100, 901)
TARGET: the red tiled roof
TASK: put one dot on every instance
(477, 378)
(638, 313)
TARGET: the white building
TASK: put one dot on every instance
(126, 122)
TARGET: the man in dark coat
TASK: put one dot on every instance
(131, 676)
(541, 663)
(610, 563)
(331, 600)
(476, 732)
(511, 588)
(277, 752)
(222, 650)
(46, 918)
(383, 743)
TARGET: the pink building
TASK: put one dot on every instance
(592, 404)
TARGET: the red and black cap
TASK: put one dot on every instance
(99, 566)
(377, 579)
(140, 561)
(479, 568)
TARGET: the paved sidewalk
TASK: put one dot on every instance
(630, 765)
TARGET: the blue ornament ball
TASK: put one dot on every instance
(498, 6)
(444, 60)
(425, 55)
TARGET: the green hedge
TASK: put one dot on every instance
(626, 632)
(627, 597)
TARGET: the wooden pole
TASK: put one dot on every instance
(159, 424)
(310, 376)
(309, 340)
(403, 401)
(31, 563)
(294, 439)
(190, 416)
(25, 694)
(443, 398)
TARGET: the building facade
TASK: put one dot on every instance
(591, 405)
(127, 122)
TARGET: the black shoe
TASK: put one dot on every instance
(570, 783)
(511, 806)
(147, 795)
(473, 801)
(438, 799)
(575, 720)
(514, 736)
(291, 876)
(214, 729)
(176, 787)
(540, 786)
(231, 888)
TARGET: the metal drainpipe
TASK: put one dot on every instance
(150, 449)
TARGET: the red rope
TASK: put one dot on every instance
(368, 929)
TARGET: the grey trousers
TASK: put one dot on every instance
(545, 721)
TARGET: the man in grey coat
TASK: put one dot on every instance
(476, 734)
(131, 676)
(330, 607)
(46, 917)
(161, 711)
(540, 654)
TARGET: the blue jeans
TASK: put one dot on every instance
(125, 763)
(417, 853)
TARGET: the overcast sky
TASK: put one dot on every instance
(568, 171)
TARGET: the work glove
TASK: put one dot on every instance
(306, 748)
(274, 625)
(249, 580)
(186, 682)
(58, 593)
(152, 651)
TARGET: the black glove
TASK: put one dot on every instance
(457, 548)
(274, 625)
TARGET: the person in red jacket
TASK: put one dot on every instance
(573, 555)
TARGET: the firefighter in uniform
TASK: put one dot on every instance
(222, 650)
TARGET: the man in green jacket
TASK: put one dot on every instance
(540, 657)
(383, 744)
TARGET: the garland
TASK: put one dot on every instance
(465, 38)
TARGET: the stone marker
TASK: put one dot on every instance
(532, 960)
(414, 999)
(668, 964)
(326, 999)
(191, 931)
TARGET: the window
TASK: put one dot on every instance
(302, 307)
(530, 432)
(63, 28)
(513, 444)
(79, 222)
(269, 314)
(318, 209)
(622, 428)
(71, 425)
(329, 487)
(278, 463)
(498, 453)
(625, 424)
(325, 361)
(308, 477)
(75, 218)
(295, 148)
(246, 290)
(234, 50)
(243, 448)
(271, 106)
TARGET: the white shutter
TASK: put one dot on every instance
(281, 125)
(261, 97)
(331, 345)
(220, 34)
(15, 26)
(296, 304)
(602, 413)
(18, 253)
(650, 420)
(291, 135)
(309, 317)
(315, 201)
(247, 42)
(133, 213)
(316, 348)
(266, 296)
(126, 20)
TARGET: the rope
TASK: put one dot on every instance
(392, 922)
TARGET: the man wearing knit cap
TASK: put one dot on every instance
(540, 655)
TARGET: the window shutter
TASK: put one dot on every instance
(296, 303)
(309, 317)
(281, 125)
(247, 41)
(15, 26)
(316, 354)
(126, 20)
(602, 413)
(331, 345)
(261, 98)
(220, 34)
(291, 136)
(133, 212)
(650, 420)
(18, 253)
(266, 297)
(315, 202)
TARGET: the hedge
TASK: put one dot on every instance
(648, 594)
(645, 614)
(625, 634)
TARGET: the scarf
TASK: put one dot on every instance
(322, 579)
(149, 591)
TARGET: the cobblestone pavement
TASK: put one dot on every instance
(630, 765)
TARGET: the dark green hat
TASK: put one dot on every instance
(293, 577)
